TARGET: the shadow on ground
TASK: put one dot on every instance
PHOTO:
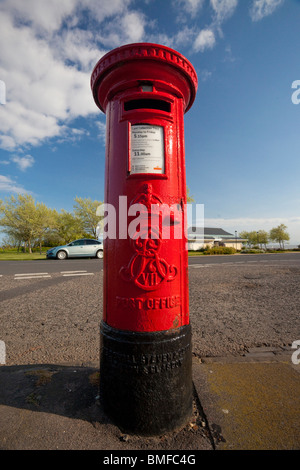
(64, 390)
(46, 406)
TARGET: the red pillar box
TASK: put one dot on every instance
(145, 363)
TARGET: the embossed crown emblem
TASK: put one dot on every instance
(147, 269)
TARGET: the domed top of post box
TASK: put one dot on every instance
(151, 60)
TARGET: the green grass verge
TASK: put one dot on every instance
(15, 256)
(12, 255)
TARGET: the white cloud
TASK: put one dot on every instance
(223, 9)
(184, 37)
(48, 58)
(262, 8)
(8, 185)
(191, 7)
(204, 40)
(125, 29)
(229, 57)
(42, 14)
(23, 162)
(51, 46)
(101, 130)
(41, 90)
(79, 47)
(2, 92)
(257, 223)
(21, 125)
(204, 75)
(133, 26)
(101, 10)
(47, 68)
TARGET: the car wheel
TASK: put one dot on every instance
(99, 254)
(61, 255)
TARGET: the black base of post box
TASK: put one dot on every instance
(146, 379)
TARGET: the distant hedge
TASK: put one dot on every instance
(220, 250)
(252, 250)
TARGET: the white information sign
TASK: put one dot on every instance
(147, 149)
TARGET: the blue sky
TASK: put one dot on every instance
(241, 135)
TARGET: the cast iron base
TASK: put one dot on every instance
(146, 379)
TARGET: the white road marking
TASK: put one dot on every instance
(200, 266)
(240, 263)
(78, 274)
(31, 275)
(44, 275)
(71, 272)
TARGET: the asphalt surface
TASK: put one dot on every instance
(245, 318)
(95, 265)
(48, 266)
(292, 259)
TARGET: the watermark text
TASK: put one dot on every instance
(296, 354)
(149, 221)
(2, 353)
(296, 94)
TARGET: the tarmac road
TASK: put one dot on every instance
(49, 266)
(244, 312)
(272, 258)
(236, 302)
(45, 267)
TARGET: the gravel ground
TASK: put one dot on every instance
(53, 321)
(235, 308)
(232, 308)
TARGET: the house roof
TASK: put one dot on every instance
(210, 232)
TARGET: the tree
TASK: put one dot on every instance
(262, 238)
(85, 210)
(245, 236)
(252, 237)
(45, 221)
(21, 219)
(256, 238)
(189, 198)
(279, 235)
(67, 227)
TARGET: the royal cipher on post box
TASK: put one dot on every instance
(145, 361)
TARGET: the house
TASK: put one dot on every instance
(199, 237)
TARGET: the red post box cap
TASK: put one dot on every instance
(144, 52)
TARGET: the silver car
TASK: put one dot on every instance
(86, 247)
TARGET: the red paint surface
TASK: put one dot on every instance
(145, 280)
